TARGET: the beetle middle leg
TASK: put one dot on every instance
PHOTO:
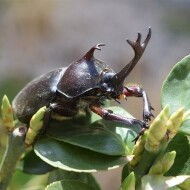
(137, 91)
(62, 110)
(109, 115)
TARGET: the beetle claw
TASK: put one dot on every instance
(147, 115)
(139, 135)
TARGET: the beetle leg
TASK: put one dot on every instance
(59, 109)
(46, 120)
(139, 135)
(139, 92)
(109, 115)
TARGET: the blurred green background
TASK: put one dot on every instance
(39, 35)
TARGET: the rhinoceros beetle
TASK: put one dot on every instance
(88, 82)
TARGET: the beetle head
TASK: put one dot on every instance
(108, 85)
(89, 76)
(111, 82)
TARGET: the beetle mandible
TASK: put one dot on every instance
(87, 81)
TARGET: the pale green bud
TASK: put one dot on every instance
(30, 137)
(157, 131)
(163, 164)
(174, 122)
(7, 114)
(138, 149)
(129, 182)
(36, 124)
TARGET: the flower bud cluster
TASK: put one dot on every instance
(163, 128)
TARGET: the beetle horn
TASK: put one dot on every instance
(90, 53)
(138, 48)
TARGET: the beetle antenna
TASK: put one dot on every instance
(117, 101)
(90, 54)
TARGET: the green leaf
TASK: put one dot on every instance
(93, 138)
(32, 164)
(103, 134)
(185, 128)
(127, 134)
(68, 185)
(25, 181)
(73, 158)
(125, 172)
(186, 169)
(181, 145)
(176, 88)
(87, 178)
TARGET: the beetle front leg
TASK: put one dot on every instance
(109, 115)
(137, 91)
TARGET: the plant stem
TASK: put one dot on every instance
(147, 161)
(12, 154)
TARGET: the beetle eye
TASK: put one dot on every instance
(105, 87)
(106, 77)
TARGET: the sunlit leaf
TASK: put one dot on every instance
(176, 90)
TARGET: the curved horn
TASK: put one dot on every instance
(89, 55)
(138, 48)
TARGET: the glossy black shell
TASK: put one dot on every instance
(74, 81)
(81, 76)
(36, 94)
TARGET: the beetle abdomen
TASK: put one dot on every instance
(36, 94)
